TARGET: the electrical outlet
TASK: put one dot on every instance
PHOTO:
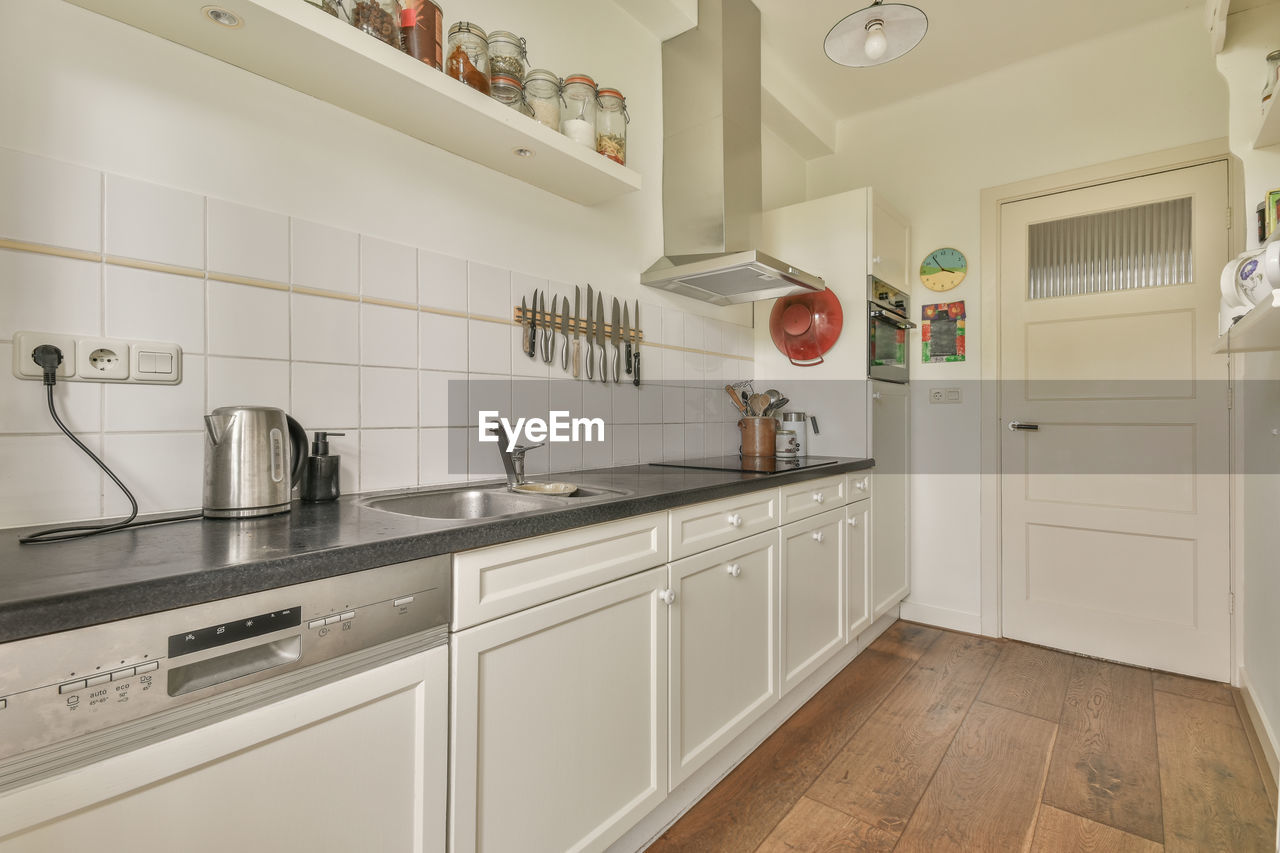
(944, 395)
(936, 395)
(24, 343)
(98, 358)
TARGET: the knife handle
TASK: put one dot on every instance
(617, 364)
(635, 376)
(628, 358)
(564, 354)
(604, 364)
(591, 361)
(577, 358)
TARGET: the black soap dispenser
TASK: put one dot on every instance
(320, 474)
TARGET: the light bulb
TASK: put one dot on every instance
(876, 43)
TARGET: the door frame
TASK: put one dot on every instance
(992, 198)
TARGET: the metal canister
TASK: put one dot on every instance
(785, 445)
(799, 423)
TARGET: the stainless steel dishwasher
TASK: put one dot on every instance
(311, 716)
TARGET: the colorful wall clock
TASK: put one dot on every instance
(943, 269)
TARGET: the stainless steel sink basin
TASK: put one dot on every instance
(476, 502)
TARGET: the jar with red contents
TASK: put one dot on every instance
(611, 125)
(467, 56)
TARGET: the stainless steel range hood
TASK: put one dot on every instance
(711, 180)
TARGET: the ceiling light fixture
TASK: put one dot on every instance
(875, 35)
(221, 16)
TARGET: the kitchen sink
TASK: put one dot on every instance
(477, 502)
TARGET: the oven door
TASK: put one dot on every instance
(887, 344)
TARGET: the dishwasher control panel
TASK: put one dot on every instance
(63, 685)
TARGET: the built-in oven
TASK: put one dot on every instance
(888, 312)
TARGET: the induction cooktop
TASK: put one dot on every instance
(750, 464)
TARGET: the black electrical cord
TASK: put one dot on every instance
(48, 358)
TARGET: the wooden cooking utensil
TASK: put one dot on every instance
(737, 403)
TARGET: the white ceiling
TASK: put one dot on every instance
(965, 38)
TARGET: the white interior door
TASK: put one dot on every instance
(1114, 512)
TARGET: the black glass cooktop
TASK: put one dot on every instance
(750, 464)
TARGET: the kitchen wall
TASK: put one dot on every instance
(307, 258)
(1251, 35)
(1126, 93)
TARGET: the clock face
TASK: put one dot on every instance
(943, 269)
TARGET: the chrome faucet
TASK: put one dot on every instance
(513, 459)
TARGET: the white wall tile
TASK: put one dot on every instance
(43, 293)
(650, 403)
(598, 454)
(137, 408)
(565, 456)
(324, 257)
(693, 409)
(248, 242)
(673, 370)
(442, 281)
(524, 285)
(488, 347)
(521, 364)
(530, 398)
(388, 336)
(324, 329)
(673, 442)
(388, 459)
(153, 223)
(25, 408)
(489, 291)
(248, 382)
(347, 448)
(487, 394)
(597, 401)
(442, 342)
(626, 445)
(672, 404)
(650, 322)
(672, 327)
(693, 440)
(442, 455)
(388, 397)
(442, 399)
(46, 201)
(48, 479)
(566, 396)
(713, 441)
(388, 270)
(483, 461)
(248, 321)
(626, 403)
(712, 337)
(165, 471)
(326, 396)
(650, 443)
(154, 306)
(693, 331)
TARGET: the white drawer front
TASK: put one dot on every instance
(811, 497)
(701, 526)
(857, 485)
(501, 579)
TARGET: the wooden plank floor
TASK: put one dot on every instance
(933, 740)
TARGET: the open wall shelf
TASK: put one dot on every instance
(299, 46)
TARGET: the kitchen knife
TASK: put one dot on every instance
(604, 370)
(524, 334)
(616, 334)
(577, 319)
(564, 330)
(626, 333)
(549, 333)
(590, 349)
(532, 349)
(635, 377)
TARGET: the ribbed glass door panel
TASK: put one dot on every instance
(1123, 249)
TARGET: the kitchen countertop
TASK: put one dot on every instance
(60, 586)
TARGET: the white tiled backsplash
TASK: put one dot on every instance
(347, 332)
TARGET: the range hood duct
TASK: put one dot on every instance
(711, 171)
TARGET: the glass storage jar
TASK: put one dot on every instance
(467, 56)
(507, 54)
(542, 92)
(578, 118)
(422, 31)
(509, 91)
(611, 126)
(378, 18)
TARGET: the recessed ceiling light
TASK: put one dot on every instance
(523, 152)
(222, 17)
(875, 35)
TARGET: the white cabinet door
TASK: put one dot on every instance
(724, 647)
(813, 606)
(888, 246)
(560, 721)
(857, 564)
(352, 765)
(890, 445)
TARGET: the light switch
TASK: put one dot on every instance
(146, 362)
(164, 363)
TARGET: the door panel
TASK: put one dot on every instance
(1114, 513)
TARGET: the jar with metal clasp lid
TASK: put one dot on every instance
(611, 126)
(578, 118)
(467, 56)
(509, 91)
(507, 55)
(378, 18)
(542, 92)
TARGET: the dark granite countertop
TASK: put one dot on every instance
(65, 585)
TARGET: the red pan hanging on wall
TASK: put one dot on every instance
(806, 325)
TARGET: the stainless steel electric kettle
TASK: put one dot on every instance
(253, 457)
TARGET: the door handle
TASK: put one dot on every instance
(1017, 425)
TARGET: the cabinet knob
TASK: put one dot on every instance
(861, 485)
(817, 536)
(735, 519)
(875, 395)
(668, 596)
(853, 522)
(818, 498)
(876, 260)
(733, 569)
